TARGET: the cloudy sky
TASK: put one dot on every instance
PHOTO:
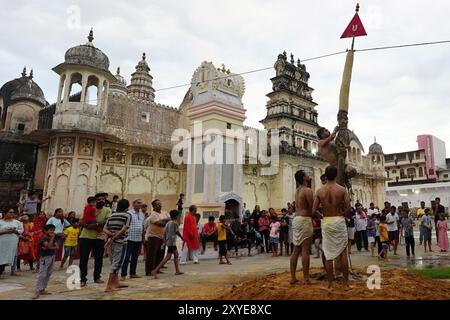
(395, 94)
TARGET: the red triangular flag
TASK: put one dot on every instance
(354, 29)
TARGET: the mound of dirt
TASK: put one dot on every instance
(395, 284)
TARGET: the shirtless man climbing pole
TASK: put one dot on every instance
(328, 151)
(302, 229)
(335, 202)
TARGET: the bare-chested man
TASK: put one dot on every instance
(328, 151)
(335, 202)
(302, 229)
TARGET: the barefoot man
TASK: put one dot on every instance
(302, 228)
(335, 202)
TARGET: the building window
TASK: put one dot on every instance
(402, 174)
(21, 127)
(411, 172)
(394, 171)
(445, 176)
(417, 154)
(431, 171)
(199, 169)
(145, 116)
(228, 125)
(227, 167)
(420, 172)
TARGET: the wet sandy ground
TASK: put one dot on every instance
(269, 280)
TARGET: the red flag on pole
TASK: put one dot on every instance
(355, 28)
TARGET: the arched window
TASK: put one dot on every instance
(75, 87)
(91, 96)
(62, 86)
(411, 172)
(420, 172)
(402, 174)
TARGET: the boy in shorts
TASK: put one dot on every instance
(384, 239)
(170, 240)
(70, 242)
(371, 231)
(222, 228)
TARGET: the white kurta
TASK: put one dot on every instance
(9, 242)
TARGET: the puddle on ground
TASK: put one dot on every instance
(429, 262)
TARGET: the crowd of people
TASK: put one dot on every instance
(124, 231)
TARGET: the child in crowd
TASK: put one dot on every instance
(317, 234)
(89, 212)
(384, 239)
(170, 240)
(235, 226)
(222, 228)
(70, 242)
(274, 235)
(371, 231)
(252, 236)
(47, 252)
(284, 232)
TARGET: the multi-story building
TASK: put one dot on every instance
(419, 175)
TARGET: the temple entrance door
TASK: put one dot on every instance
(231, 209)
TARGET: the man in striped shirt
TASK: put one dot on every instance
(116, 231)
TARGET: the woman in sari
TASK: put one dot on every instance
(26, 244)
(10, 230)
(442, 233)
(37, 232)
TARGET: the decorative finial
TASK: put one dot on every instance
(298, 63)
(143, 56)
(375, 138)
(228, 71)
(91, 35)
(31, 74)
(24, 72)
(292, 58)
(357, 7)
(284, 53)
(223, 68)
(118, 70)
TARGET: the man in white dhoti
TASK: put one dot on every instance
(302, 229)
(335, 202)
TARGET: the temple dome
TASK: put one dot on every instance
(120, 84)
(375, 148)
(88, 55)
(23, 88)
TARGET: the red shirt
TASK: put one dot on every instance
(209, 228)
(89, 214)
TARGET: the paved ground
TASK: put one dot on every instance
(202, 280)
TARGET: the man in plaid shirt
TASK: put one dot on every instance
(135, 239)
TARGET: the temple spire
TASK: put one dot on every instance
(91, 35)
(141, 85)
(24, 72)
(31, 74)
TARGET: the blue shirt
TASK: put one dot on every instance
(372, 232)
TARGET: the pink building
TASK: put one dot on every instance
(434, 154)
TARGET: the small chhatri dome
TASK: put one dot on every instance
(23, 88)
(87, 54)
(375, 148)
(119, 77)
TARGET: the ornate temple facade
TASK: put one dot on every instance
(104, 135)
